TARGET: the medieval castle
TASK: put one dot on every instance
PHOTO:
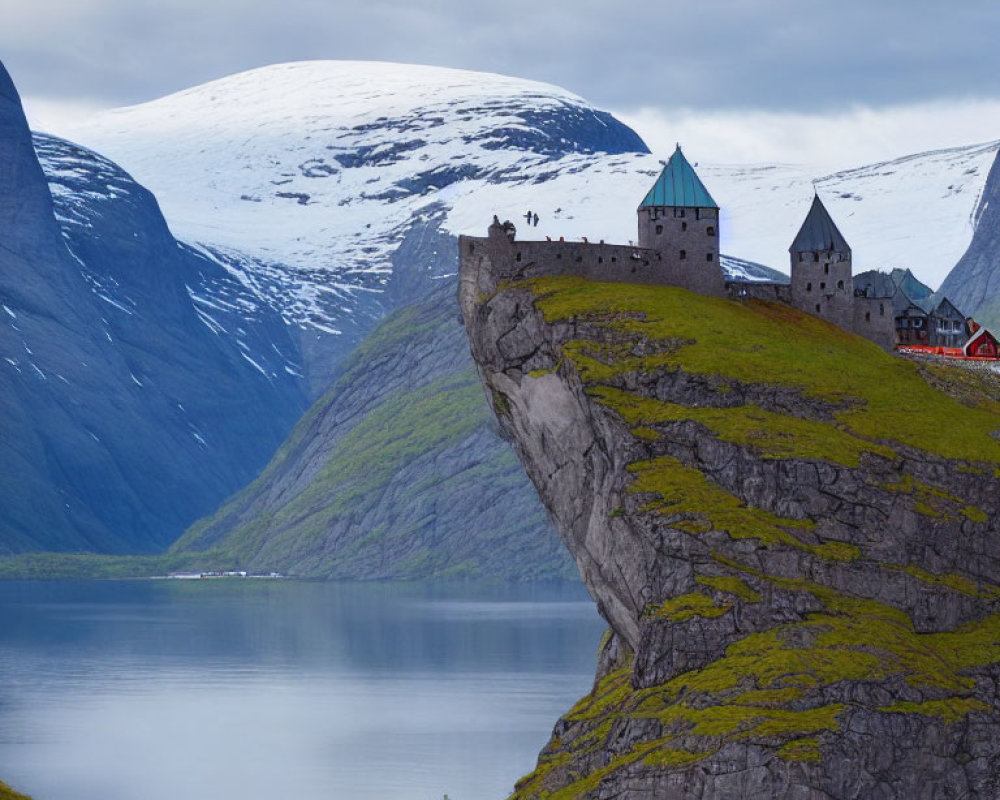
(678, 245)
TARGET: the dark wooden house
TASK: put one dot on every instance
(983, 344)
(911, 322)
(947, 326)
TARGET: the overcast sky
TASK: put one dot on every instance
(737, 71)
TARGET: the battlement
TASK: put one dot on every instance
(504, 257)
(513, 259)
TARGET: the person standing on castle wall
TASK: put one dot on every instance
(536, 220)
(527, 216)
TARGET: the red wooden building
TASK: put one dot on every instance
(983, 344)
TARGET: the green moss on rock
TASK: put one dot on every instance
(684, 607)
(689, 496)
(775, 345)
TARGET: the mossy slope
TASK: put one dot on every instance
(6, 793)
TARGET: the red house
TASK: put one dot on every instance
(983, 344)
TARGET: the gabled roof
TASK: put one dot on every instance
(874, 283)
(678, 185)
(818, 232)
(947, 310)
(980, 334)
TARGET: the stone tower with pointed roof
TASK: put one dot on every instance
(821, 269)
(679, 219)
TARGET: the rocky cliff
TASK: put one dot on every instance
(127, 408)
(974, 284)
(793, 536)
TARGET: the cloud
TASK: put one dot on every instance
(779, 55)
(825, 141)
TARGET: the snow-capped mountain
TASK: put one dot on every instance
(304, 178)
(317, 169)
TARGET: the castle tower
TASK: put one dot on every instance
(679, 219)
(821, 269)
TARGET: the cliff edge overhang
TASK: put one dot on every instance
(792, 535)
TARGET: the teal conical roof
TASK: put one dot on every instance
(678, 185)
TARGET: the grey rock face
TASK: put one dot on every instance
(974, 283)
(126, 413)
(743, 662)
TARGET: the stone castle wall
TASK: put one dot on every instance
(821, 282)
(686, 238)
(511, 259)
(822, 285)
(873, 319)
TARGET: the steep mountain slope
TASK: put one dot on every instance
(396, 472)
(974, 284)
(794, 536)
(124, 415)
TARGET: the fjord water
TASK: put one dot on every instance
(224, 689)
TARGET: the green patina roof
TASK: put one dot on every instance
(678, 185)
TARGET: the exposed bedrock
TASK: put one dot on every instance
(799, 576)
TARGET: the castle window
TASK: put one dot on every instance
(822, 285)
(558, 255)
(840, 284)
(683, 254)
(815, 256)
(817, 308)
(659, 229)
(579, 259)
(868, 316)
(614, 259)
(802, 257)
(708, 256)
(678, 212)
(881, 309)
(710, 230)
(518, 256)
(809, 287)
(684, 226)
(472, 247)
(600, 259)
(826, 269)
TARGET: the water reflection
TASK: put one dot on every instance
(260, 689)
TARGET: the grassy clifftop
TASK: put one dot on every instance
(810, 526)
(873, 397)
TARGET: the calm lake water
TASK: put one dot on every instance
(217, 690)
